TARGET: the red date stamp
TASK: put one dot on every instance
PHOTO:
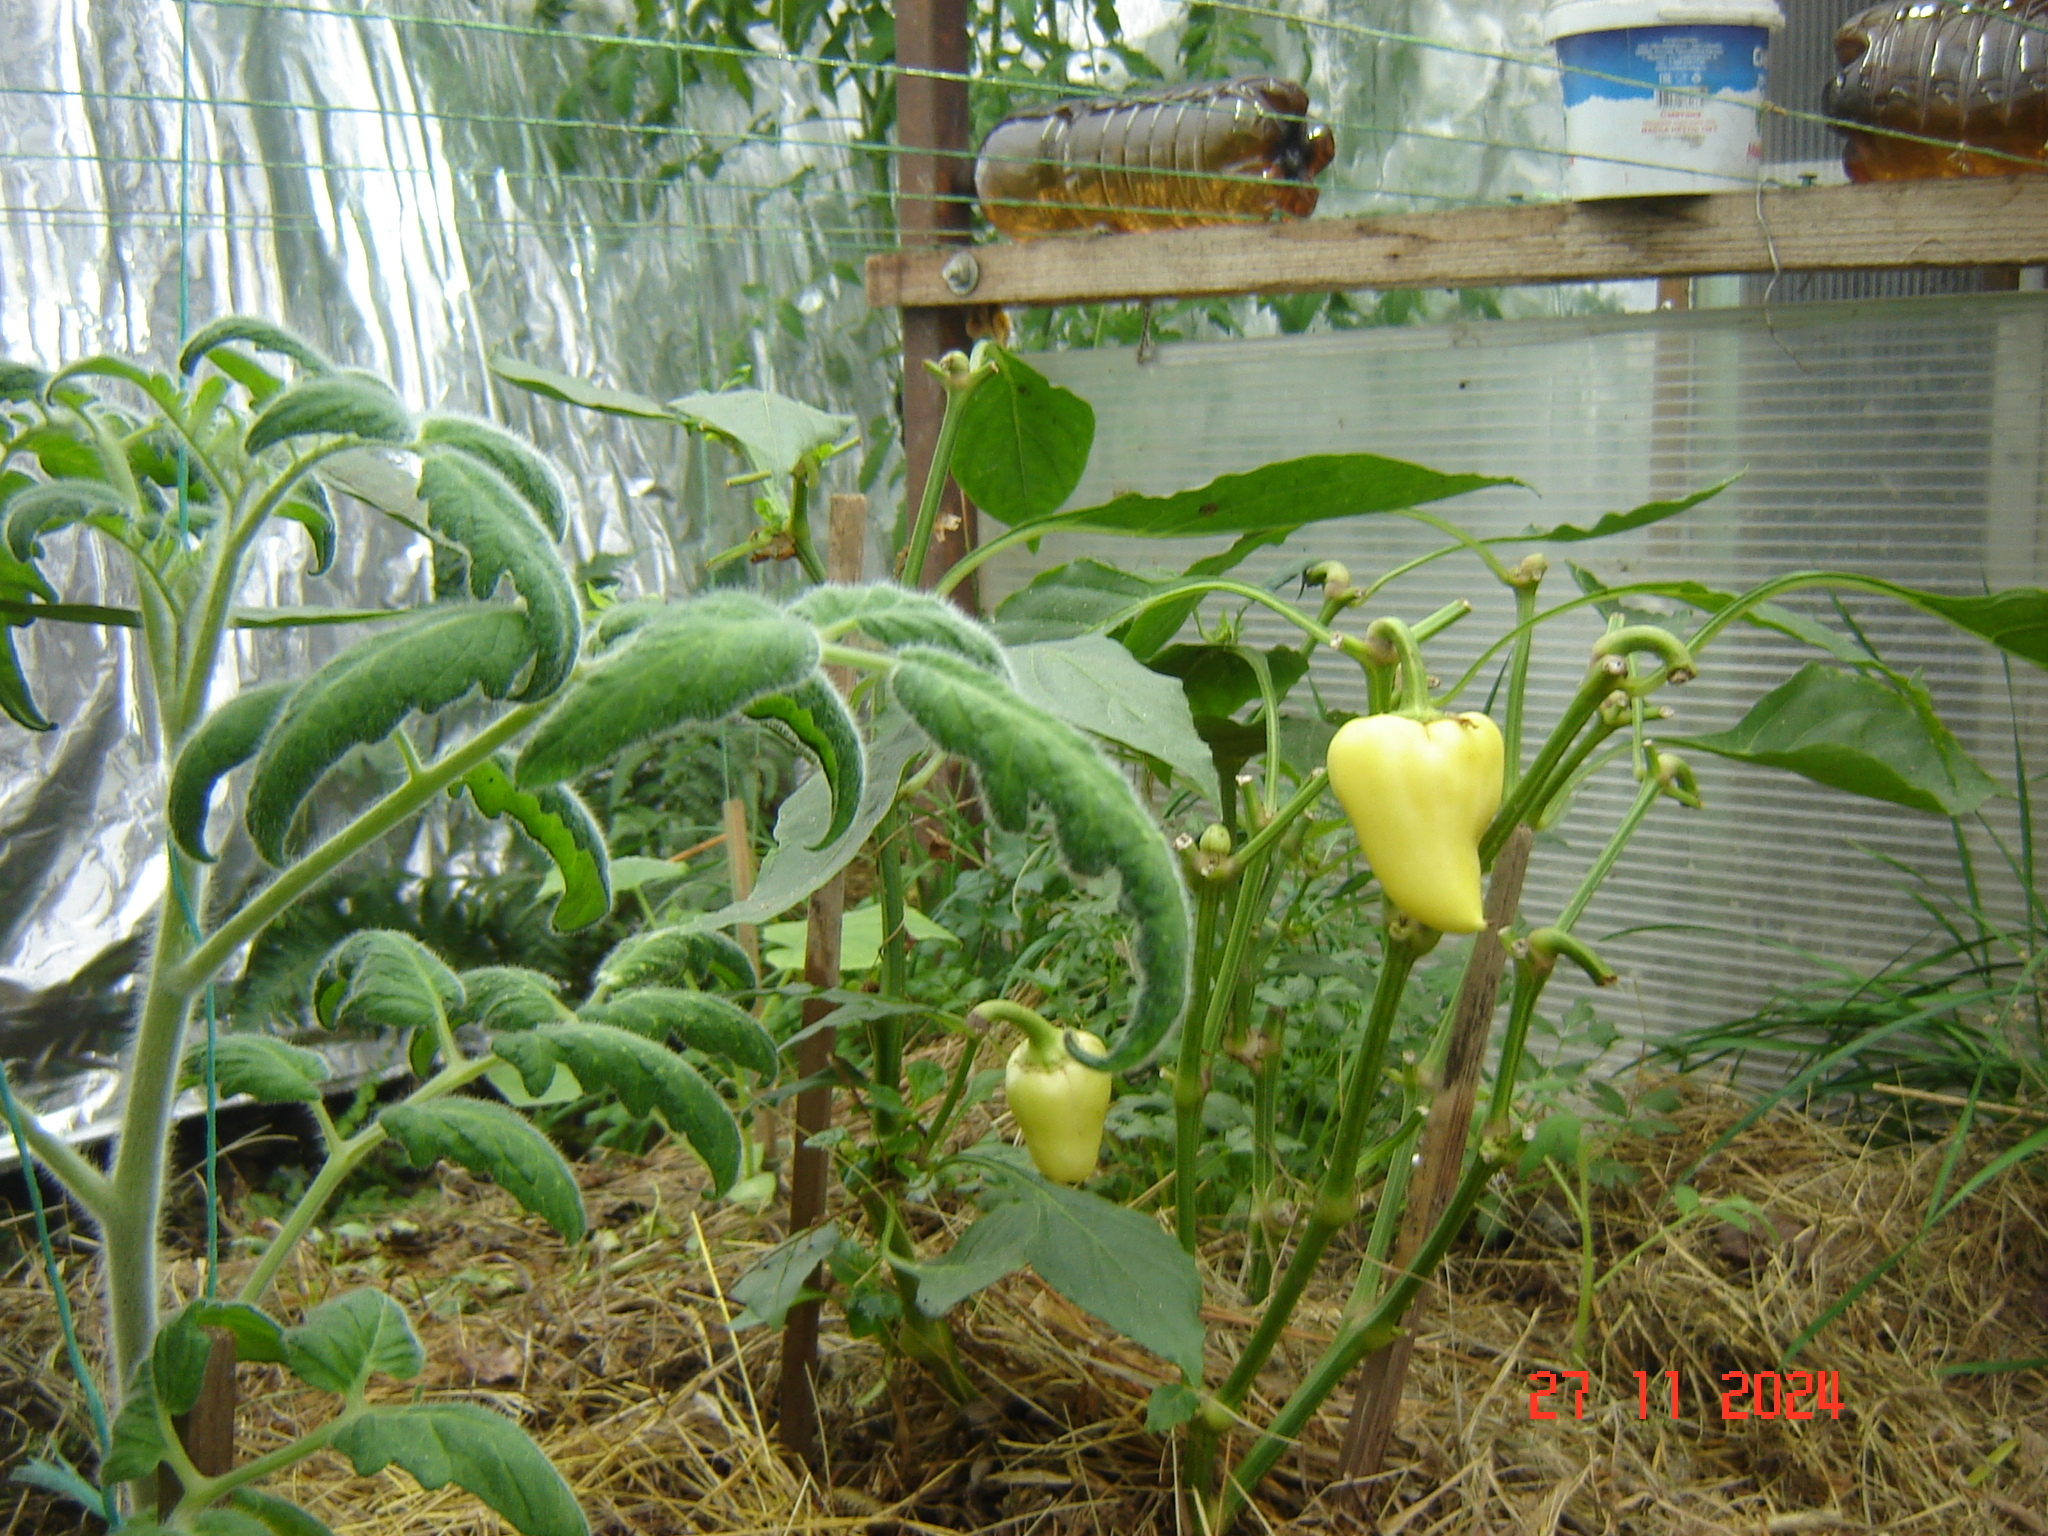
(1790, 1395)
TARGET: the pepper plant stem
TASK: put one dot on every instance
(1518, 685)
(1198, 1037)
(1337, 1200)
(1187, 1125)
(886, 1041)
(911, 570)
(1532, 790)
(1374, 1331)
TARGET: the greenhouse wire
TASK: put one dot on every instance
(95, 1407)
(851, 66)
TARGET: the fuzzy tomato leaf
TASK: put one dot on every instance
(473, 506)
(560, 822)
(16, 700)
(346, 403)
(1023, 754)
(524, 467)
(493, 1143)
(349, 1338)
(509, 997)
(475, 1449)
(703, 1021)
(422, 664)
(645, 1076)
(704, 659)
(226, 739)
(264, 335)
(258, 1336)
(312, 511)
(55, 504)
(897, 616)
(815, 715)
(685, 953)
(262, 1066)
(382, 979)
(136, 1443)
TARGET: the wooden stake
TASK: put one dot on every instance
(208, 1431)
(811, 1167)
(1444, 1136)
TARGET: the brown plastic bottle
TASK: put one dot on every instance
(1972, 73)
(1215, 153)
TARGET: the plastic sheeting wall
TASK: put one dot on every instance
(1906, 439)
(399, 195)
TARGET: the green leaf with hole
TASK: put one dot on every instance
(264, 335)
(896, 616)
(382, 979)
(473, 506)
(562, 825)
(1095, 684)
(1854, 733)
(646, 1077)
(262, 1066)
(347, 1339)
(1023, 442)
(571, 390)
(225, 739)
(492, 1143)
(704, 1021)
(814, 714)
(345, 404)
(418, 665)
(1023, 755)
(521, 465)
(477, 1450)
(701, 660)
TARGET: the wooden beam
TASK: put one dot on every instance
(1969, 222)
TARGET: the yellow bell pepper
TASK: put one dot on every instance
(1058, 1103)
(1419, 794)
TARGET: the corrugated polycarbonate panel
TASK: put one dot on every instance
(1901, 439)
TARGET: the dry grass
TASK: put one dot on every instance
(617, 1358)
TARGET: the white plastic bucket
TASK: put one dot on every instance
(1661, 96)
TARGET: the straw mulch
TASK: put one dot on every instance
(618, 1358)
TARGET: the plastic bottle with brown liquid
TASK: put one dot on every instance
(1216, 153)
(1973, 75)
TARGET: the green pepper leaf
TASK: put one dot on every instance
(1023, 442)
(1095, 684)
(1854, 733)
(571, 390)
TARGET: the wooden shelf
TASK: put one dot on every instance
(1979, 222)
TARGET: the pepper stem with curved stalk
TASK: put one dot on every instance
(1046, 1040)
(1397, 636)
(1523, 580)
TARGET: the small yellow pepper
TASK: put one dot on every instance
(1419, 794)
(1058, 1103)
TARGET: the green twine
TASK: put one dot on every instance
(93, 1403)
